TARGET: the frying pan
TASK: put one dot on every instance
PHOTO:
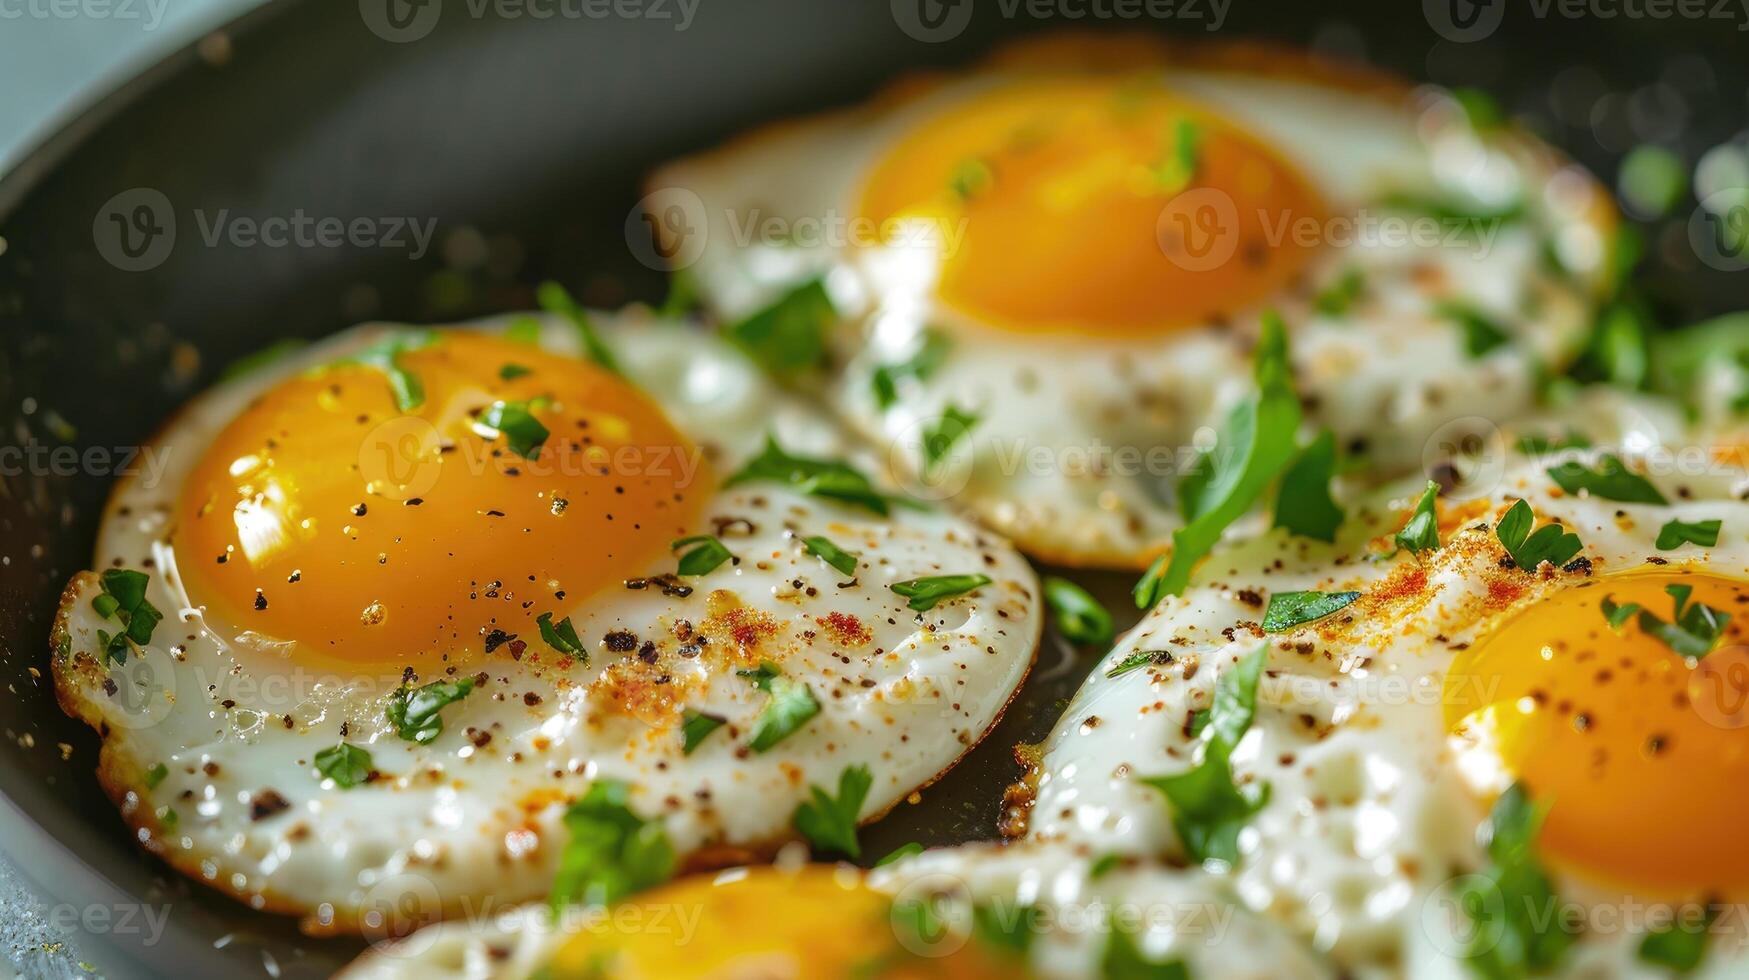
(523, 140)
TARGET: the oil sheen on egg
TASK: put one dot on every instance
(421, 589)
(1385, 731)
(1048, 268)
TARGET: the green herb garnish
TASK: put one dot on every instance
(612, 853)
(1080, 618)
(561, 636)
(932, 350)
(1304, 505)
(695, 727)
(1482, 333)
(124, 598)
(1677, 533)
(1140, 659)
(831, 554)
(1421, 532)
(925, 593)
(386, 357)
(515, 421)
(416, 712)
(941, 435)
(819, 477)
(346, 764)
(789, 336)
(1551, 542)
(791, 706)
(553, 298)
(828, 822)
(1290, 609)
(1509, 900)
(707, 554)
(1610, 481)
(1693, 630)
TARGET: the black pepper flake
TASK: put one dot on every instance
(296, 576)
(497, 638)
(359, 510)
(412, 501)
(265, 804)
(531, 699)
(647, 652)
(620, 641)
(494, 513)
(1580, 564)
(260, 600)
(669, 583)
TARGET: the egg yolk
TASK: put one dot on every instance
(819, 921)
(374, 531)
(1641, 754)
(1095, 206)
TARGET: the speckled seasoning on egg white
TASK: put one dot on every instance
(1009, 244)
(1385, 731)
(220, 734)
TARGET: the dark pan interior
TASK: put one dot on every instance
(531, 136)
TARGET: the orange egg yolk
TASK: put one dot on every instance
(819, 921)
(1096, 206)
(326, 515)
(1640, 754)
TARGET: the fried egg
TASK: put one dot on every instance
(1434, 682)
(402, 597)
(1040, 276)
(973, 911)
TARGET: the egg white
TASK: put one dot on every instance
(473, 819)
(1082, 438)
(1370, 819)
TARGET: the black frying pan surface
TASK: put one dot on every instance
(530, 136)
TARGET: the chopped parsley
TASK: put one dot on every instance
(1537, 445)
(925, 593)
(791, 706)
(1255, 444)
(900, 853)
(416, 711)
(828, 822)
(1079, 616)
(1694, 629)
(1452, 211)
(1336, 298)
(346, 764)
(553, 298)
(511, 371)
(1508, 900)
(1610, 481)
(386, 357)
(1140, 659)
(1421, 532)
(1290, 609)
(612, 853)
(819, 477)
(971, 177)
(1303, 505)
(946, 432)
(1123, 959)
(515, 421)
(789, 336)
(1208, 807)
(1481, 332)
(932, 350)
(1617, 615)
(695, 727)
(561, 636)
(157, 774)
(523, 330)
(1005, 928)
(1677, 533)
(683, 296)
(1103, 865)
(249, 363)
(124, 598)
(1551, 542)
(831, 554)
(1620, 351)
(1681, 945)
(1182, 158)
(707, 554)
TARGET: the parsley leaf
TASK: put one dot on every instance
(1124, 960)
(1290, 609)
(831, 554)
(124, 597)
(157, 774)
(1681, 945)
(818, 477)
(830, 824)
(512, 371)
(256, 360)
(900, 853)
(789, 336)
(791, 706)
(1677, 533)
(1079, 616)
(925, 593)
(1183, 156)
(1421, 532)
(612, 853)
(515, 421)
(386, 357)
(1694, 629)
(1481, 332)
(1255, 444)
(346, 764)
(695, 727)
(553, 298)
(1336, 298)
(1208, 807)
(1617, 615)
(415, 712)
(970, 178)
(709, 554)
(1551, 542)
(1610, 481)
(931, 352)
(1303, 505)
(683, 295)
(561, 636)
(1513, 937)
(1140, 659)
(523, 330)
(941, 435)
(1006, 928)
(1537, 445)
